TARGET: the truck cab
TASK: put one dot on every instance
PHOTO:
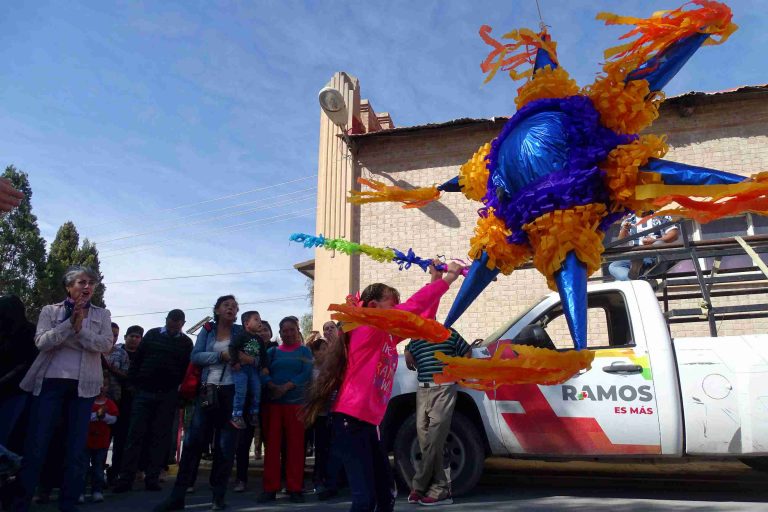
(645, 396)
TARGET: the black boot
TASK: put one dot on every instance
(174, 502)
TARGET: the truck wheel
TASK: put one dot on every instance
(758, 463)
(463, 452)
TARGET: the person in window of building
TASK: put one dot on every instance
(247, 390)
(624, 270)
(64, 380)
(431, 485)
(290, 371)
(157, 371)
(119, 371)
(213, 408)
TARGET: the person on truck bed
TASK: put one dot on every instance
(431, 484)
(625, 270)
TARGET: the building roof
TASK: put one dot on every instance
(466, 121)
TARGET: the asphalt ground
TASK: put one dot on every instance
(527, 486)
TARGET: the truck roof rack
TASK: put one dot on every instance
(678, 282)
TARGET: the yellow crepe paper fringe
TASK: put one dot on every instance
(473, 175)
(531, 366)
(403, 324)
(664, 28)
(553, 235)
(621, 169)
(491, 236)
(625, 107)
(546, 83)
(412, 198)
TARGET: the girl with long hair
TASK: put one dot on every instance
(361, 367)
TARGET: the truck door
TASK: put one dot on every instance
(607, 410)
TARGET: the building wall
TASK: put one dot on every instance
(729, 132)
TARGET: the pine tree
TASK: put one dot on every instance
(22, 249)
(65, 252)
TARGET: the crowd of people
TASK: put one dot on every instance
(71, 394)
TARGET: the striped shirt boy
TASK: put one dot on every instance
(423, 353)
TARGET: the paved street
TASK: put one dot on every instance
(537, 486)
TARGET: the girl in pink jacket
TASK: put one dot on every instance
(362, 368)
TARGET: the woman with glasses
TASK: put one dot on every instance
(64, 380)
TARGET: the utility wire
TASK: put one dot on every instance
(120, 251)
(279, 299)
(203, 221)
(259, 189)
(197, 214)
(112, 283)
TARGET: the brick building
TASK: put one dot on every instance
(726, 130)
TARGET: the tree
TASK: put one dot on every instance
(306, 324)
(65, 252)
(22, 249)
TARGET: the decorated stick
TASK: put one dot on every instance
(404, 259)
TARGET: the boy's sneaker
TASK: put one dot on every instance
(238, 422)
(429, 501)
(414, 497)
(98, 497)
(239, 486)
(81, 499)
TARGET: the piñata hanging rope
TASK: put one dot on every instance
(404, 259)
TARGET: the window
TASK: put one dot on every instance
(608, 323)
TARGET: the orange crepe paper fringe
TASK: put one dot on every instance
(491, 236)
(625, 107)
(664, 28)
(511, 56)
(473, 175)
(403, 324)
(621, 170)
(546, 83)
(514, 364)
(553, 235)
(412, 198)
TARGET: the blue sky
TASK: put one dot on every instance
(126, 113)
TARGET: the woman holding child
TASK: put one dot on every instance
(213, 408)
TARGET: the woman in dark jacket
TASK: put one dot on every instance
(211, 354)
(17, 352)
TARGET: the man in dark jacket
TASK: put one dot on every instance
(156, 372)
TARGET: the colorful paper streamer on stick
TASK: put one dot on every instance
(404, 259)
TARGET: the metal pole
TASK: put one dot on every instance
(706, 303)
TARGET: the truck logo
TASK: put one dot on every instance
(612, 393)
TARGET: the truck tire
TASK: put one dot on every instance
(463, 452)
(758, 463)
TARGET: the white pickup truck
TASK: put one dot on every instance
(647, 396)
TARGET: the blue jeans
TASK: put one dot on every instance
(10, 411)
(247, 382)
(620, 269)
(366, 463)
(97, 458)
(57, 397)
(204, 424)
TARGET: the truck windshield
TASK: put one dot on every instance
(504, 329)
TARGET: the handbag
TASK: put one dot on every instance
(209, 393)
(191, 382)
